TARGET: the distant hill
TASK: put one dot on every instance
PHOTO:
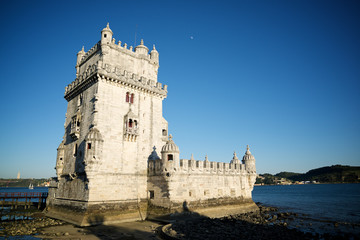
(330, 174)
(23, 182)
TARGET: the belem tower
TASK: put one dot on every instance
(117, 161)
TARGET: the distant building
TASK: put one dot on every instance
(108, 168)
(18, 175)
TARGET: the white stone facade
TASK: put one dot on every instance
(106, 165)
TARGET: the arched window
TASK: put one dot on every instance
(135, 122)
(132, 98)
(127, 97)
(170, 157)
(130, 123)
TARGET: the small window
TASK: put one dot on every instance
(164, 132)
(89, 146)
(127, 97)
(104, 35)
(152, 194)
(132, 98)
(170, 157)
(60, 159)
(75, 150)
(130, 123)
(190, 193)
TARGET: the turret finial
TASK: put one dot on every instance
(235, 157)
(107, 25)
(248, 150)
(154, 47)
(192, 157)
(170, 137)
(154, 148)
(83, 49)
(206, 158)
(142, 42)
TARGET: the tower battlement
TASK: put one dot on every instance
(191, 166)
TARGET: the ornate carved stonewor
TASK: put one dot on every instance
(75, 125)
(93, 151)
(131, 126)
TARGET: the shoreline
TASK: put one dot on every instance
(268, 223)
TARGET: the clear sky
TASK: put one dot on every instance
(281, 76)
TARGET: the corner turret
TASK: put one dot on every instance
(235, 159)
(249, 161)
(154, 55)
(106, 35)
(80, 55)
(170, 155)
(142, 49)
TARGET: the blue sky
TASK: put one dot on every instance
(281, 76)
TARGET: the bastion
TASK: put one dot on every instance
(108, 167)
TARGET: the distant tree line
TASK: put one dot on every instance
(23, 182)
(331, 174)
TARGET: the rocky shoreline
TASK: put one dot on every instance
(31, 226)
(268, 223)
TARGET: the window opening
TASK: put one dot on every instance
(130, 123)
(132, 98)
(152, 194)
(89, 146)
(104, 35)
(127, 97)
(164, 132)
(170, 157)
(75, 150)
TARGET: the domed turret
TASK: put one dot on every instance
(249, 160)
(235, 159)
(80, 54)
(170, 155)
(154, 55)
(93, 151)
(60, 159)
(141, 49)
(106, 35)
(170, 146)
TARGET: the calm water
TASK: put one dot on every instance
(335, 202)
(24, 189)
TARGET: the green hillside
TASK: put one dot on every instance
(329, 174)
(332, 174)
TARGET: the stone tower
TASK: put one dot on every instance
(107, 166)
(113, 122)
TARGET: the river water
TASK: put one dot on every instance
(337, 202)
(320, 206)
